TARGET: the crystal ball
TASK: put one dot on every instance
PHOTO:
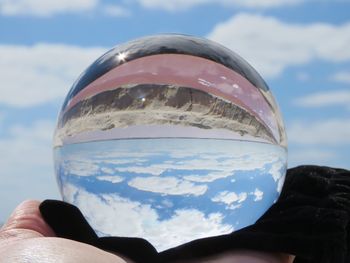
(170, 138)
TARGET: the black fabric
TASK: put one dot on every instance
(67, 221)
(309, 220)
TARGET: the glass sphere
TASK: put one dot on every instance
(170, 138)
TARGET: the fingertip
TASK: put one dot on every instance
(26, 216)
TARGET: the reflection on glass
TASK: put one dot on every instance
(170, 138)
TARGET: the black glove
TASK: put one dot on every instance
(309, 220)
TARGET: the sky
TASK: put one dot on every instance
(171, 191)
(300, 47)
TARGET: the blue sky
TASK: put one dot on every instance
(171, 191)
(300, 47)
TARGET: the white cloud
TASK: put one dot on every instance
(278, 171)
(41, 73)
(26, 147)
(26, 165)
(2, 118)
(176, 5)
(302, 76)
(311, 156)
(151, 169)
(79, 167)
(271, 45)
(192, 156)
(167, 185)
(45, 8)
(40, 130)
(122, 217)
(210, 177)
(342, 76)
(333, 132)
(246, 157)
(258, 195)
(107, 170)
(275, 169)
(204, 166)
(108, 158)
(262, 3)
(116, 10)
(230, 197)
(114, 179)
(325, 98)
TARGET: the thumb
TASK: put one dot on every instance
(25, 222)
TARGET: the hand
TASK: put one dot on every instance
(27, 238)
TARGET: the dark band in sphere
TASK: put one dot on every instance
(167, 44)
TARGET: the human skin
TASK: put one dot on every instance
(27, 238)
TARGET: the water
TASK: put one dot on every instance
(170, 190)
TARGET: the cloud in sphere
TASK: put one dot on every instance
(120, 217)
(167, 185)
